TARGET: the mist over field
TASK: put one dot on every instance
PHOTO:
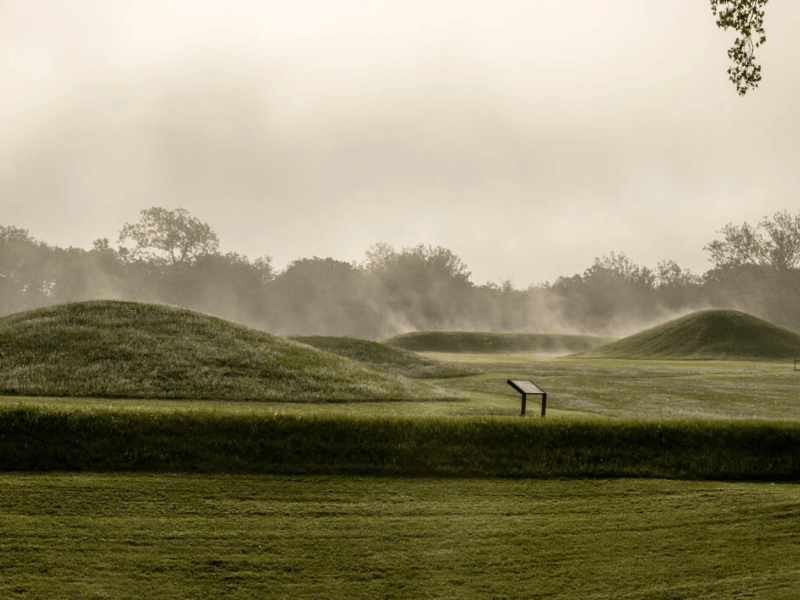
(171, 257)
(374, 169)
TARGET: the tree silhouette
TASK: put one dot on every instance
(168, 237)
(774, 243)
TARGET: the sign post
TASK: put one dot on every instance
(525, 387)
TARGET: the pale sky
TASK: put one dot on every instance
(527, 137)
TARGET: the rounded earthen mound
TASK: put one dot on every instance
(117, 349)
(708, 334)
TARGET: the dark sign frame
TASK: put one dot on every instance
(528, 388)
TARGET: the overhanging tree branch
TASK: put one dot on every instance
(746, 17)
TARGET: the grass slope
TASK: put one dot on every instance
(135, 350)
(709, 334)
(33, 439)
(396, 360)
(474, 341)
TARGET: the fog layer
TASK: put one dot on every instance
(528, 137)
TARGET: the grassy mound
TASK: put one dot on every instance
(133, 350)
(709, 334)
(402, 362)
(473, 341)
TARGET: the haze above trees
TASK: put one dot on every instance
(171, 257)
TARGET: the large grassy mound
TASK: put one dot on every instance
(402, 362)
(474, 341)
(134, 350)
(709, 334)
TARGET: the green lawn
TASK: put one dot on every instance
(217, 536)
(137, 535)
(637, 389)
(576, 389)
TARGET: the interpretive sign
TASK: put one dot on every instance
(526, 387)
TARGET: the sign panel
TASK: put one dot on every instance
(524, 386)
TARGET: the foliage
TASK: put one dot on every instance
(229, 285)
(323, 297)
(168, 236)
(758, 267)
(27, 274)
(618, 268)
(669, 274)
(422, 285)
(613, 289)
(746, 17)
(773, 243)
(420, 261)
(420, 288)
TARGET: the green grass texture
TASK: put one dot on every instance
(710, 334)
(42, 439)
(119, 349)
(396, 360)
(479, 342)
(154, 536)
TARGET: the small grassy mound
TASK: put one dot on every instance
(132, 350)
(480, 342)
(402, 362)
(708, 334)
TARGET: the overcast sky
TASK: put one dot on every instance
(528, 137)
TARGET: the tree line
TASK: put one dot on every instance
(171, 257)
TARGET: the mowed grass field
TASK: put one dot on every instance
(220, 536)
(159, 533)
(637, 389)
(577, 389)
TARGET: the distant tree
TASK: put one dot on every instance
(168, 237)
(229, 286)
(620, 269)
(676, 287)
(322, 296)
(758, 268)
(774, 243)
(419, 262)
(617, 286)
(502, 307)
(264, 268)
(10, 234)
(746, 17)
(28, 271)
(615, 292)
(669, 274)
(423, 287)
(92, 274)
